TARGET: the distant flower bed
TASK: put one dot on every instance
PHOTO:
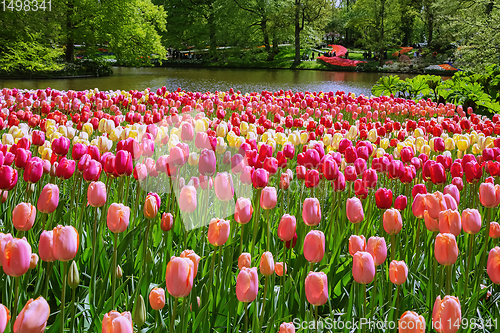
(402, 51)
(447, 67)
(339, 50)
(336, 61)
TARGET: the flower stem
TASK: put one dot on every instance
(266, 283)
(63, 294)
(73, 309)
(113, 273)
(174, 313)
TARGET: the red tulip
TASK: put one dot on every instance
(383, 198)
(8, 178)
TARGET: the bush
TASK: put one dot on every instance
(28, 58)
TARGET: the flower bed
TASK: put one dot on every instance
(342, 62)
(403, 50)
(229, 211)
(339, 50)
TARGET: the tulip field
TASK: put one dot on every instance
(175, 211)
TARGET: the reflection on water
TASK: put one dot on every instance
(203, 80)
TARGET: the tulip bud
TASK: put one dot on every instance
(73, 276)
(140, 311)
(33, 261)
(119, 272)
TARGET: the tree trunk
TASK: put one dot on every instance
(263, 27)
(382, 32)
(297, 33)
(211, 31)
(70, 43)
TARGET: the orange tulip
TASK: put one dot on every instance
(494, 230)
(316, 288)
(447, 314)
(377, 247)
(244, 260)
(493, 266)
(118, 217)
(16, 257)
(363, 267)
(446, 249)
(266, 266)
(287, 328)
(151, 206)
(48, 199)
(190, 254)
(218, 232)
(354, 210)
(96, 194)
(33, 260)
(23, 216)
(66, 242)
(314, 246)
(167, 221)
(450, 222)
(33, 317)
(4, 317)
(356, 243)
(179, 276)
(157, 298)
(247, 284)
(411, 322)
(430, 223)
(279, 268)
(116, 322)
(471, 221)
(398, 272)
(392, 221)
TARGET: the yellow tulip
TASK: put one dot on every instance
(272, 143)
(372, 135)
(327, 139)
(193, 159)
(419, 143)
(449, 144)
(50, 123)
(7, 139)
(173, 141)
(476, 150)
(104, 144)
(46, 154)
(281, 138)
(239, 141)
(87, 128)
(353, 133)
(252, 128)
(133, 134)
(200, 126)
(221, 130)
(384, 143)
(115, 134)
(418, 132)
(55, 135)
(380, 152)
(221, 146)
(244, 128)
(489, 142)
(303, 137)
(462, 144)
(71, 132)
(294, 139)
(425, 149)
(265, 136)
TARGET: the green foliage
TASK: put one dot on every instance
(479, 91)
(26, 58)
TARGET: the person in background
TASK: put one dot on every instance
(334, 54)
(346, 54)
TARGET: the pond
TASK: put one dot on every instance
(203, 80)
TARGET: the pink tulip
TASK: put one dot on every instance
(16, 257)
(190, 254)
(377, 247)
(223, 185)
(430, 223)
(354, 210)
(398, 272)
(452, 190)
(446, 315)
(392, 221)
(314, 246)
(287, 328)
(218, 232)
(66, 242)
(33, 317)
(179, 276)
(411, 322)
(493, 265)
(247, 284)
(4, 239)
(244, 260)
(489, 195)
(187, 199)
(157, 298)
(356, 243)
(316, 286)
(96, 194)
(446, 249)
(118, 217)
(115, 322)
(23, 216)
(46, 246)
(363, 267)
(4, 317)
(287, 227)
(311, 212)
(48, 199)
(243, 210)
(266, 265)
(450, 222)
(268, 197)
